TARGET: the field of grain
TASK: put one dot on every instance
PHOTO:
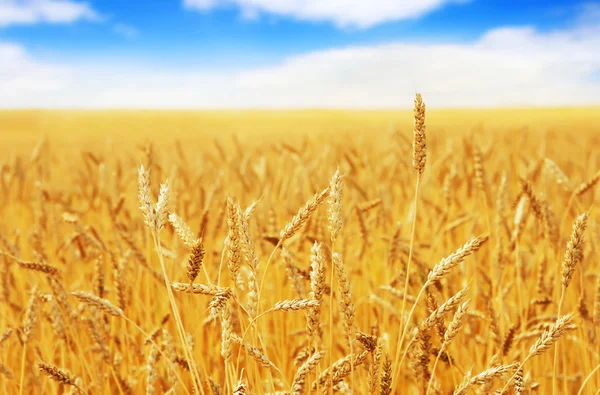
(296, 252)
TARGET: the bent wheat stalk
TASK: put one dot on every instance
(437, 273)
(543, 344)
(573, 255)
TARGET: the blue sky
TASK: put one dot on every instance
(297, 53)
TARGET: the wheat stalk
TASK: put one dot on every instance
(588, 185)
(300, 377)
(303, 215)
(95, 301)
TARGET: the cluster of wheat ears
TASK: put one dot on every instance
(477, 280)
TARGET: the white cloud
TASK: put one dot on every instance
(21, 76)
(504, 67)
(25, 12)
(249, 14)
(126, 31)
(361, 14)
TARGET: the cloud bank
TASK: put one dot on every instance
(27, 12)
(510, 66)
(360, 14)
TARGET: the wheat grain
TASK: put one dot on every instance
(455, 325)
(574, 251)
(241, 388)
(95, 301)
(551, 335)
(151, 370)
(335, 205)
(56, 374)
(232, 242)
(317, 285)
(479, 169)
(482, 378)
(588, 185)
(445, 265)
(300, 377)
(98, 279)
(162, 207)
(444, 308)
(561, 178)
(386, 377)
(534, 201)
(145, 197)
(294, 305)
(303, 215)
(226, 333)
(5, 335)
(507, 342)
(31, 316)
(39, 267)
(203, 289)
(419, 135)
(346, 304)
(195, 260)
(183, 230)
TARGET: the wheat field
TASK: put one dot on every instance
(296, 252)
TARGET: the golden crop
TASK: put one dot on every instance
(286, 238)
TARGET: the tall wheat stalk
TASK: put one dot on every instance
(335, 226)
(573, 255)
(156, 218)
(419, 159)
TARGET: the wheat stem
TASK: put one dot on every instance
(180, 329)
